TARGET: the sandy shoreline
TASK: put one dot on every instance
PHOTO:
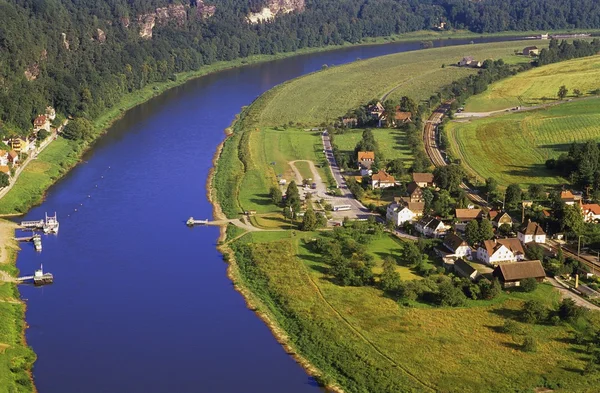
(233, 273)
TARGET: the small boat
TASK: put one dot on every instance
(41, 278)
(37, 242)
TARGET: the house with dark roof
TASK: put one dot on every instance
(415, 193)
(463, 269)
(532, 232)
(423, 179)
(431, 227)
(455, 246)
(511, 274)
(531, 51)
(401, 117)
(465, 61)
(382, 179)
(493, 252)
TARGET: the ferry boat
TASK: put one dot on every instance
(51, 224)
(41, 278)
(37, 242)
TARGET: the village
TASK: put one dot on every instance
(17, 151)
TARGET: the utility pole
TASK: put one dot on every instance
(579, 245)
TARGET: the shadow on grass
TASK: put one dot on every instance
(558, 147)
(535, 170)
(495, 329)
(512, 345)
(263, 200)
(573, 370)
(506, 313)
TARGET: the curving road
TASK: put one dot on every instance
(433, 151)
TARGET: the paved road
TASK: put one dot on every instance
(357, 209)
(433, 150)
(562, 288)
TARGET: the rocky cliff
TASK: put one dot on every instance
(274, 8)
(173, 12)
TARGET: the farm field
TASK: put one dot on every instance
(348, 327)
(392, 143)
(328, 94)
(513, 148)
(539, 85)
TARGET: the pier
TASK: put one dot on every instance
(39, 278)
(191, 222)
(49, 225)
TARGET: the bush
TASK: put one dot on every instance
(510, 327)
(529, 344)
(529, 284)
(534, 311)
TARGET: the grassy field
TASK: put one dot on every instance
(512, 148)
(390, 246)
(539, 85)
(367, 343)
(392, 143)
(40, 174)
(326, 95)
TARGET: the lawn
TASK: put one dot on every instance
(366, 342)
(390, 245)
(392, 143)
(326, 95)
(539, 85)
(512, 148)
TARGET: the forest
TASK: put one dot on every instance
(82, 56)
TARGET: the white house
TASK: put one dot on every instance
(399, 212)
(493, 252)
(431, 227)
(591, 212)
(3, 158)
(532, 233)
(456, 246)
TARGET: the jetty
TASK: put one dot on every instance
(49, 225)
(39, 278)
(191, 222)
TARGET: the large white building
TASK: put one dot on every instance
(401, 212)
(532, 233)
(493, 252)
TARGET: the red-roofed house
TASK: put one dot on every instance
(423, 179)
(569, 198)
(591, 212)
(13, 157)
(493, 252)
(41, 122)
(382, 180)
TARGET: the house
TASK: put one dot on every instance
(493, 252)
(531, 51)
(400, 212)
(42, 122)
(423, 179)
(19, 144)
(569, 198)
(543, 36)
(50, 113)
(382, 179)
(463, 269)
(376, 111)
(511, 274)
(532, 233)
(500, 218)
(5, 169)
(415, 193)
(466, 61)
(13, 157)
(3, 158)
(466, 215)
(365, 160)
(402, 117)
(591, 212)
(431, 227)
(456, 247)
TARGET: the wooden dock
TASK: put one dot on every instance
(191, 222)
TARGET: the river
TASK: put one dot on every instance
(141, 303)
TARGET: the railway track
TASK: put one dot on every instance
(433, 151)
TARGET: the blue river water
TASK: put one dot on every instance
(141, 303)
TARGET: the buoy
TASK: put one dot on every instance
(89, 196)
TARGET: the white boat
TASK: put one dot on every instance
(37, 242)
(51, 224)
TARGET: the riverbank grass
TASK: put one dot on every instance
(364, 340)
(513, 147)
(539, 85)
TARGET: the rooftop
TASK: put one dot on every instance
(520, 270)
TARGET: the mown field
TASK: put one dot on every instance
(512, 148)
(366, 342)
(539, 85)
(327, 94)
(392, 143)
